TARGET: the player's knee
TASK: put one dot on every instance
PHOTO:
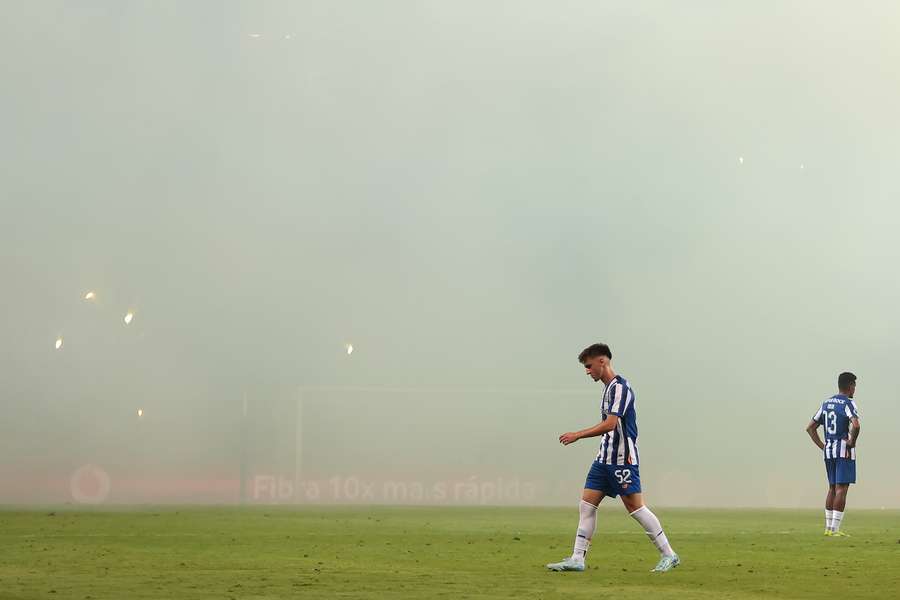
(592, 496)
(632, 504)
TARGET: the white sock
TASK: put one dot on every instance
(587, 521)
(654, 530)
(828, 518)
(836, 517)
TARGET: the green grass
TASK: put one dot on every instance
(412, 552)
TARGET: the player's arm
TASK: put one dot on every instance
(813, 430)
(599, 429)
(854, 432)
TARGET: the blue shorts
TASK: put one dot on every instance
(841, 471)
(613, 480)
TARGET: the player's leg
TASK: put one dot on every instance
(591, 497)
(837, 514)
(587, 522)
(845, 474)
(634, 504)
(829, 508)
(629, 479)
(830, 472)
(840, 497)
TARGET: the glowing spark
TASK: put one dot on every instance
(90, 296)
(349, 349)
(128, 317)
(58, 343)
(741, 159)
(140, 412)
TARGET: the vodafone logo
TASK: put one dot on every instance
(90, 485)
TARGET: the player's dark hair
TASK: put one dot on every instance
(593, 351)
(845, 380)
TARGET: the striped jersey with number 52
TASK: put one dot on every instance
(619, 446)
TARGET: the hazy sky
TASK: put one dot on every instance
(469, 193)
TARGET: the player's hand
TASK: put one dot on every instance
(567, 438)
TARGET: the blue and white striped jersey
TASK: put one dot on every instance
(619, 446)
(834, 416)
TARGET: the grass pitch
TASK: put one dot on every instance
(413, 552)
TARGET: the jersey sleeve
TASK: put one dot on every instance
(852, 411)
(617, 398)
(818, 416)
